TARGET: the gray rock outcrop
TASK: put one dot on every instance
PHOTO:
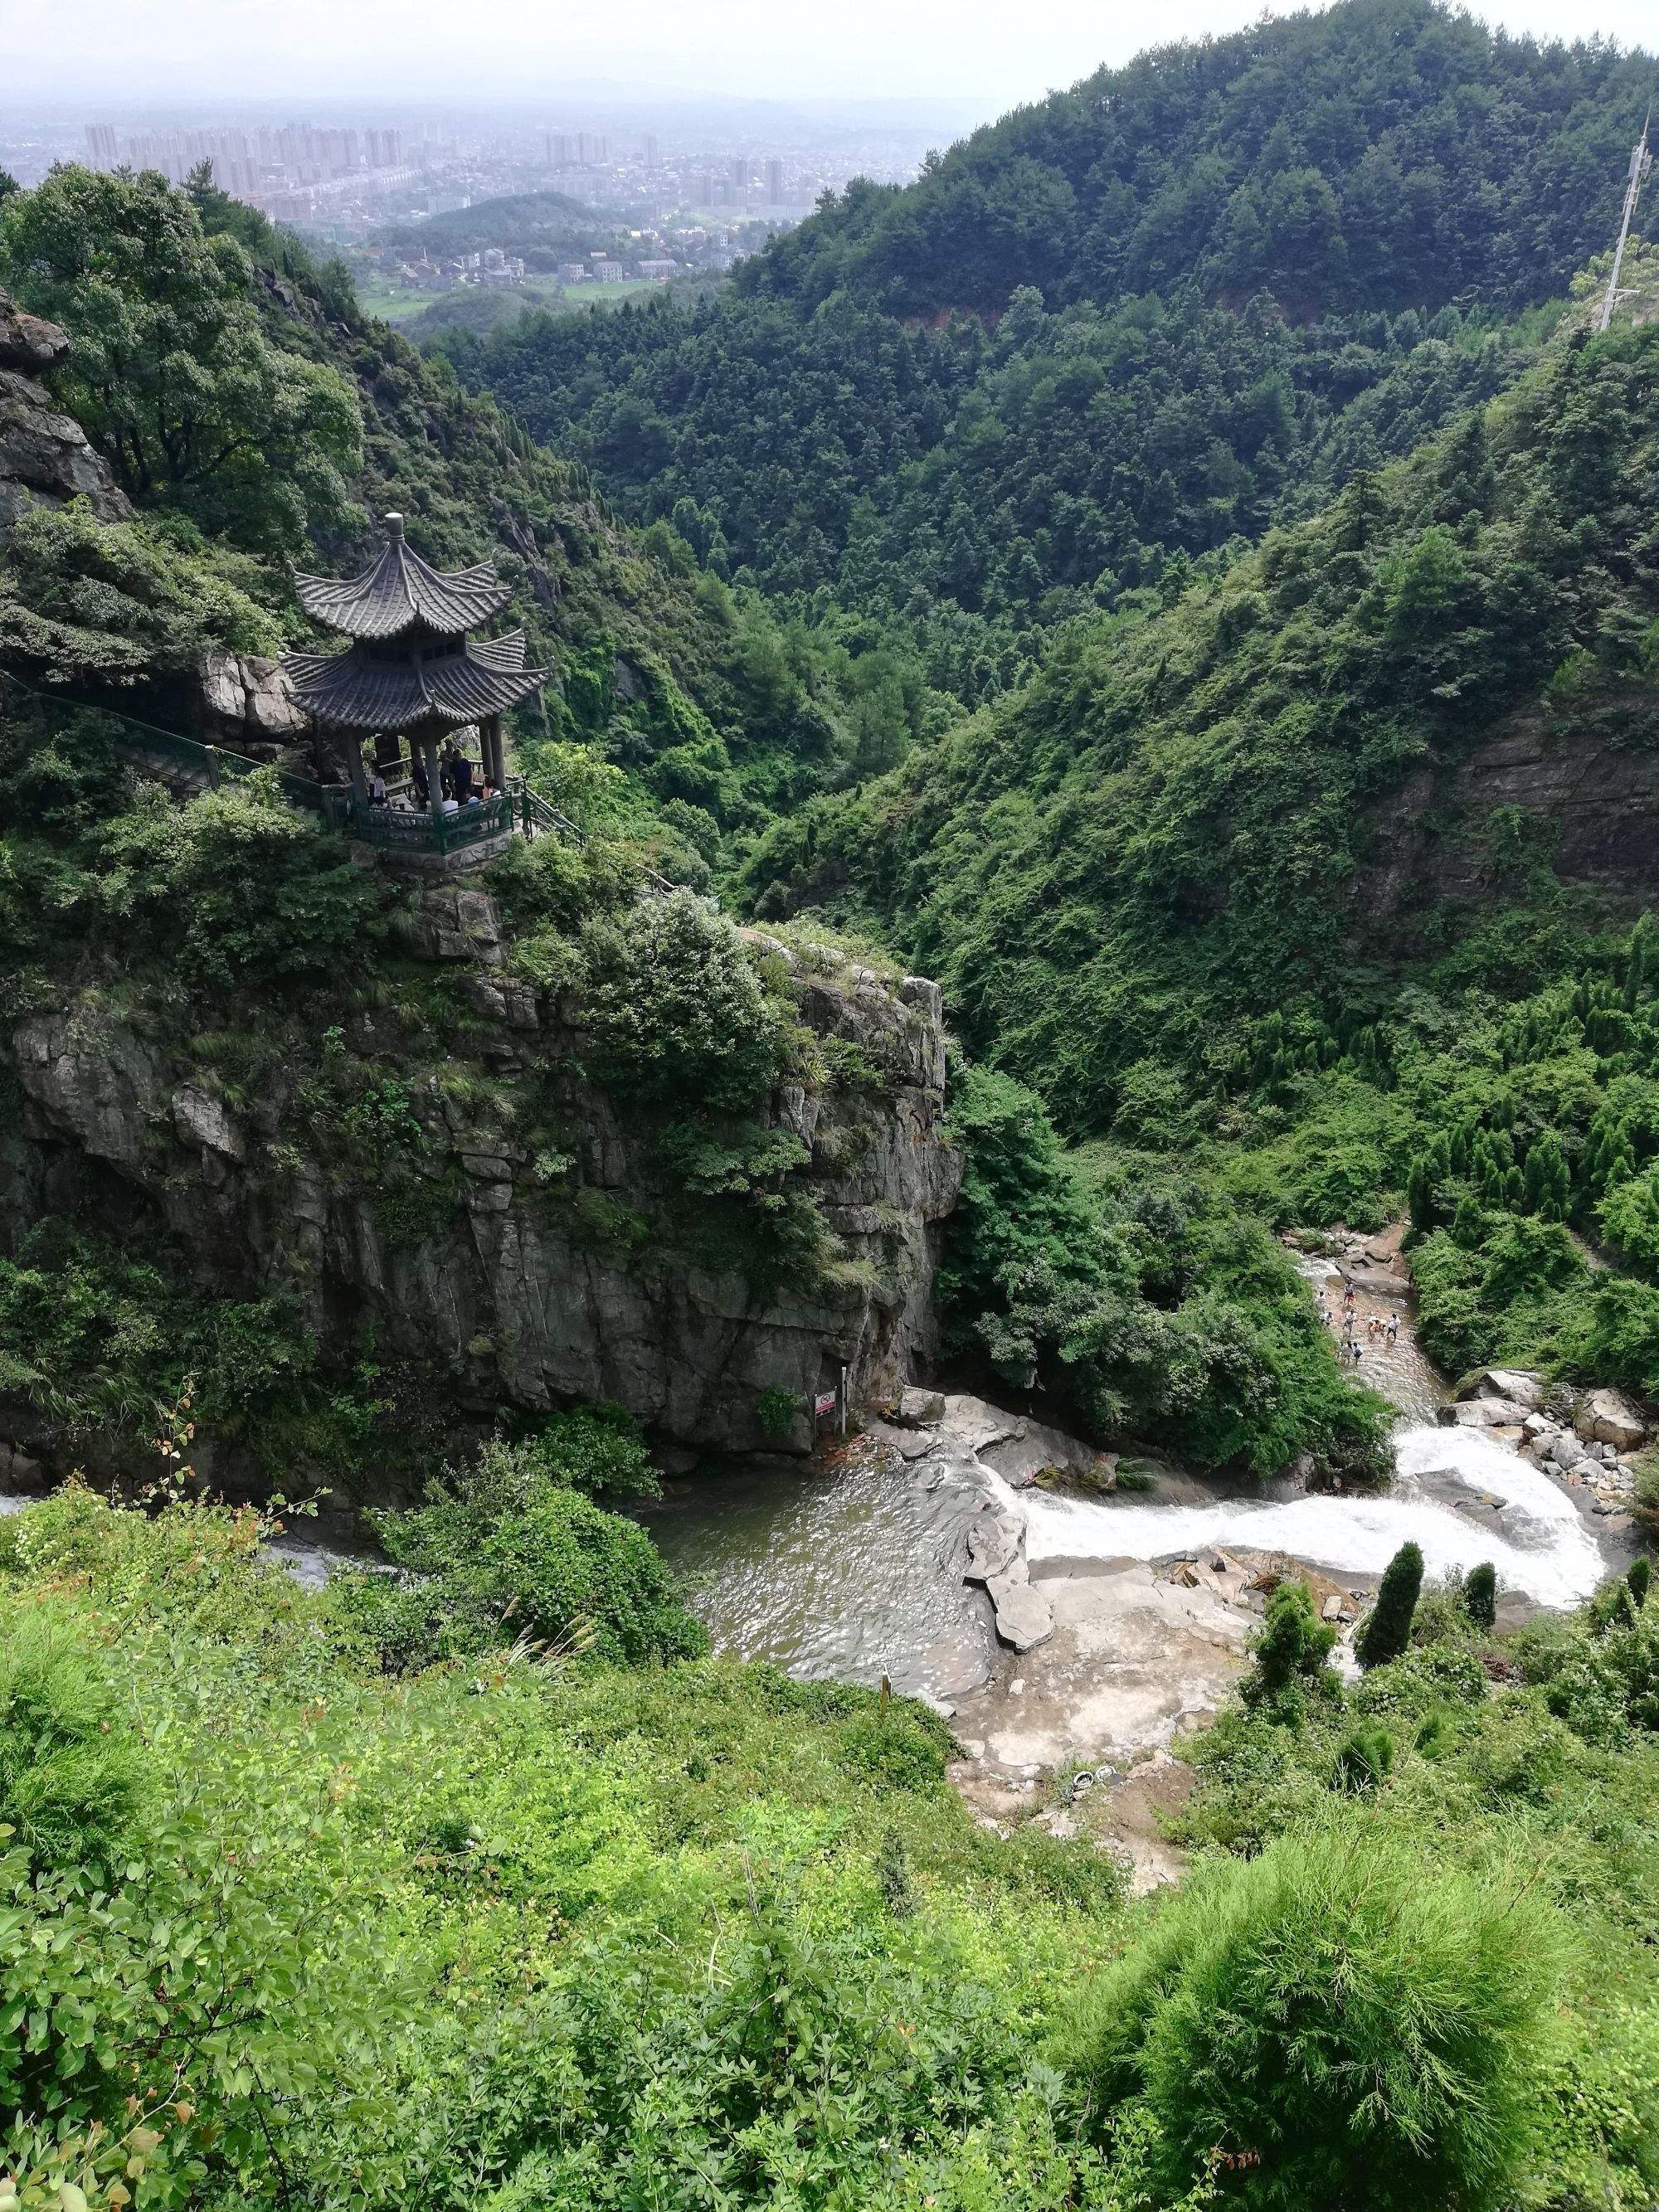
(1608, 1417)
(521, 1271)
(44, 457)
(248, 703)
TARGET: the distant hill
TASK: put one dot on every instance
(544, 228)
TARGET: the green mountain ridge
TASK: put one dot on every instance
(1127, 327)
(1304, 878)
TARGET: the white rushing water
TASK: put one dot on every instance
(1446, 1481)
(1539, 1545)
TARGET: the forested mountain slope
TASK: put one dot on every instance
(448, 1117)
(1163, 831)
(1383, 154)
(1128, 325)
(1324, 877)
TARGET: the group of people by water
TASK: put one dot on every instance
(461, 782)
(1377, 1329)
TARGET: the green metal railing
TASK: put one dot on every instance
(539, 814)
(391, 829)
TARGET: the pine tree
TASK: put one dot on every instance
(1387, 1627)
(1481, 1594)
(1468, 1226)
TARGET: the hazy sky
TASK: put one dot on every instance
(85, 52)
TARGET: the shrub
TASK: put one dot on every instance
(1365, 1760)
(775, 1411)
(1291, 1652)
(503, 1552)
(678, 1010)
(1387, 1630)
(594, 1448)
(1481, 1594)
(70, 1773)
(1342, 2025)
(1639, 1576)
(244, 884)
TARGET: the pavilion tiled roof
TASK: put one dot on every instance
(352, 690)
(402, 592)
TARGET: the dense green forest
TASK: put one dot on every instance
(1113, 334)
(471, 1880)
(298, 423)
(1155, 1307)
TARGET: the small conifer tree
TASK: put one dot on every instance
(1640, 1574)
(1387, 1628)
(1292, 1647)
(1481, 1594)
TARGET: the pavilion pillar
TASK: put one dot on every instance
(434, 790)
(494, 765)
(354, 758)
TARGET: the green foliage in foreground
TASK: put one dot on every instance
(1334, 2028)
(541, 1934)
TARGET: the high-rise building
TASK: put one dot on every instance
(739, 173)
(651, 154)
(100, 145)
(702, 189)
(774, 183)
(558, 150)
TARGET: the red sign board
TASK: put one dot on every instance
(824, 1402)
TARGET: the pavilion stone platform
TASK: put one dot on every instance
(413, 676)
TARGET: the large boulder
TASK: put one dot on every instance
(1023, 1614)
(1608, 1417)
(1512, 1383)
(246, 698)
(26, 343)
(993, 1541)
(1483, 1413)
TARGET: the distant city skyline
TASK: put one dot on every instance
(191, 50)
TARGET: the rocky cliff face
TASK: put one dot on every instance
(45, 461)
(44, 453)
(516, 1280)
(1579, 792)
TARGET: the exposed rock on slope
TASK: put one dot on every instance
(44, 453)
(512, 1279)
(1587, 787)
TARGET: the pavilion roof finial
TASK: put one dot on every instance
(402, 592)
